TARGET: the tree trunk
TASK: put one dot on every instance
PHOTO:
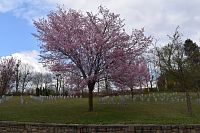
(63, 86)
(17, 86)
(17, 78)
(132, 94)
(198, 96)
(23, 86)
(147, 86)
(151, 84)
(140, 82)
(91, 85)
(57, 85)
(188, 100)
(106, 85)
(98, 88)
(1, 93)
(60, 86)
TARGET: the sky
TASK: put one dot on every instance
(158, 17)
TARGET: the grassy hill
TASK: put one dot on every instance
(74, 110)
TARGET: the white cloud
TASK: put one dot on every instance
(159, 17)
(7, 5)
(31, 58)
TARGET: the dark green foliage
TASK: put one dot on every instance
(192, 51)
(177, 67)
(193, 58)
(190, 65)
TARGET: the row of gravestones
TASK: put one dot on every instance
(123, 99)
(158, 99)
(162, 94)
(174, 97)
(5, 98)
(37, 98)
(42, 98)
(59, 97)
(113, 100)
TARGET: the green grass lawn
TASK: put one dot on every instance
(74, 111)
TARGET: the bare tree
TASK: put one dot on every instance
(37, 79)
(25, 78)
(173, 62)
(47, 79)
(17, 75)
(153, 67)
(7, 69)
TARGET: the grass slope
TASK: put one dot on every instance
(74, 111)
